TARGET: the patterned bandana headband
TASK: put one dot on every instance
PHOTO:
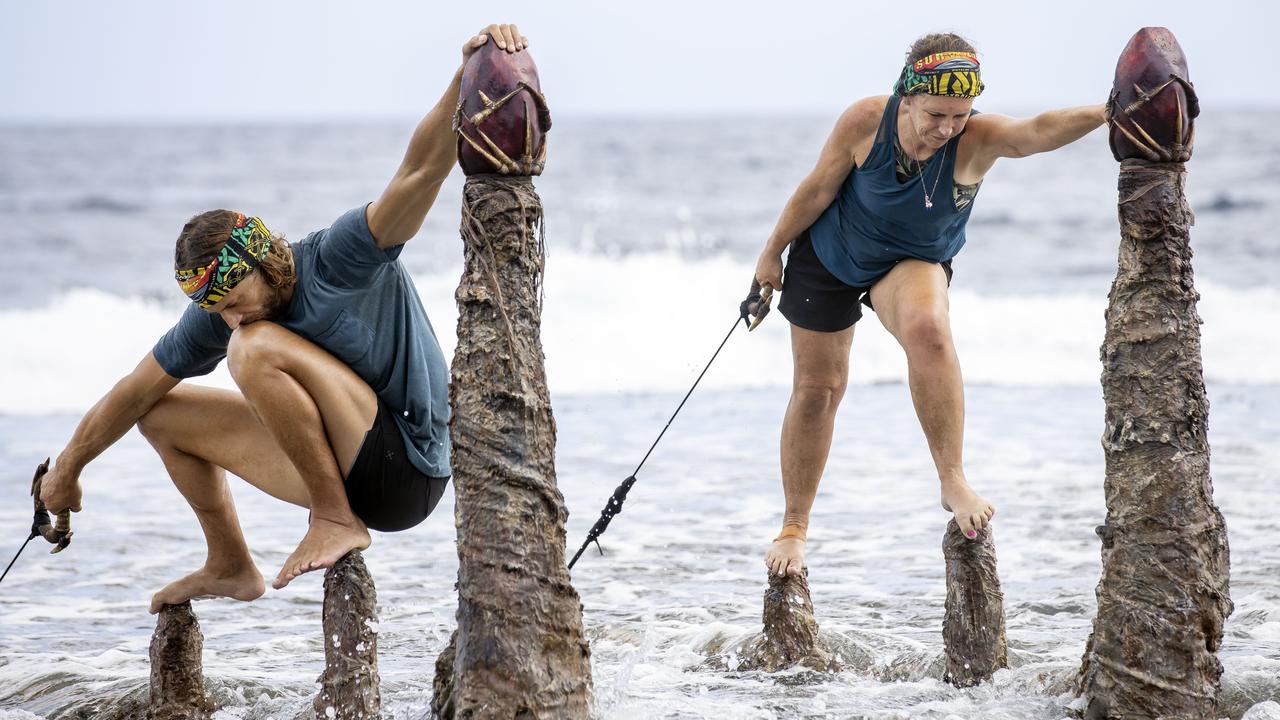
(954, 74)
(249, 242)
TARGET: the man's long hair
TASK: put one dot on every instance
(205, 234)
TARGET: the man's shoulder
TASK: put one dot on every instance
(351, 228)
(345, 253)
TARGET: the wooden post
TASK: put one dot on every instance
(1163, 597)
(790, 635)
(177, 670)
(973, 626)
(519, 650)
(520, 647)
(349, 683)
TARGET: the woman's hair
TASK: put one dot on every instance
(936, 43)
(205, 234)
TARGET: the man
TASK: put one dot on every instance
(877, 223)
(342, 406)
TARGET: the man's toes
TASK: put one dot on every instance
(155, 604)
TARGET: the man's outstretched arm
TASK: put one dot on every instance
(398, 214)
(106, 421)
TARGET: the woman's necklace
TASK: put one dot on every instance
(928, 194)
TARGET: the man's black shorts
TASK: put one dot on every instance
(814, 299)
(385, 490)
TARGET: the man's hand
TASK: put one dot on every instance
(507, 37)
(397, 215)
(60, 489)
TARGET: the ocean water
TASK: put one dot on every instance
(653, 228)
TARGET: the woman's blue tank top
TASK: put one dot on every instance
(877, 220)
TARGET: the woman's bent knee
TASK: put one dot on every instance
(926, 333)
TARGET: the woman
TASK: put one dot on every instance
(877, 223)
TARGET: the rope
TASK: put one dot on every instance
(614, 505)
(15, 557)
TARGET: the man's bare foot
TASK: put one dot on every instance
(785, 556)
(244, 583)
(971, 511)
(324, 544)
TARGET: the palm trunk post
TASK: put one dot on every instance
(973, 624)
(177, 667)
(519, 650)
(1163, 596)
(790, 636)
(349, 684)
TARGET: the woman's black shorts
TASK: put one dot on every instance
(385, 490)
(814, 299)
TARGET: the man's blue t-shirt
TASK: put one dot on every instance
(358, 302)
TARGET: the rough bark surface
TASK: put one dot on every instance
(442, 685)
(1163, 596)
(973, 626)
(790, 634)
(349, 683)
(520, 651)
(177, 669)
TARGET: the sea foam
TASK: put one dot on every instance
(649, 323)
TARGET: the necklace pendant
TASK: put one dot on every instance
(928, 204)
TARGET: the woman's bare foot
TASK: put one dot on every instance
(243, 583)
(324, 544)
(785, 556)
(971, 511)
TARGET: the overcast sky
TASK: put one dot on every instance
(233, 60)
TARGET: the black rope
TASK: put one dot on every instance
(614, 505)
(15, 557)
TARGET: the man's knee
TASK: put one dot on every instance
(159, 423)
(254, 347)
(151, 426)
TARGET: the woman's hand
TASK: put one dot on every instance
(769, 270)
(507, 37)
